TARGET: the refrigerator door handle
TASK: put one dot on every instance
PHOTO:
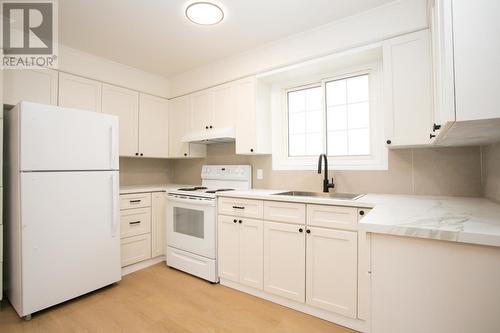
(111, 147)
(113, 206)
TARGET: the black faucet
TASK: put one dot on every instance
(326, 184)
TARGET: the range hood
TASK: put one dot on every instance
(216, 135)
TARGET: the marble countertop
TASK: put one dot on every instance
(457, 219)
(466, 220)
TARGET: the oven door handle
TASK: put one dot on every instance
(186, 200)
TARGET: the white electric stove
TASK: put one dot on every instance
(192, 219)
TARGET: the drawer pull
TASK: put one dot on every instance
(238, 207)
(135, 201)
(134, 222)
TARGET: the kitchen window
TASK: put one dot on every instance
(339, 116)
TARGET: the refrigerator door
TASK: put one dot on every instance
(70, 235)
(57, 139)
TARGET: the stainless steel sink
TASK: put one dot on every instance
(334, 195)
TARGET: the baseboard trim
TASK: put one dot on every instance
(355, 324)
(141, 265)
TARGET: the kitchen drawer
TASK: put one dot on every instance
(136, 200)
(241, 207)
(336, 217)
(135, 249)
(288, 212)
(135, 222)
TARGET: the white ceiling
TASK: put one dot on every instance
(153, 35)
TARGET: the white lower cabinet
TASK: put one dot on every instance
(307, 254)
(240, 250)
(143, 226)
(158, 223)
(135, 249)
(228, 248)
(284, 260)
(331, 270)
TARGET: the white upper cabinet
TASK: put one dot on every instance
(179, 124)
(202, 106)
(408, 90)
(466, 51)
(253, 118)
(225, 105)
(153, 126)
(79, 93)
(123, 103)
(37, 86)
(476, 45)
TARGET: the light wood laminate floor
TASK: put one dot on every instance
(160, 299)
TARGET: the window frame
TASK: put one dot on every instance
(378, 158)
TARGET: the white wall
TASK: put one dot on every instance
(384, 22)
(101, 69)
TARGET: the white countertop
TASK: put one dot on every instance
(467, 220)
(128, 189)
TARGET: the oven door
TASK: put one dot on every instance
(191, 225)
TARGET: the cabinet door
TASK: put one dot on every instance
(202, 106)
(153, 126)
(331, 272)
(284, 260)
(178, 123)
(476, 30)
(251, 252)
(79, 93)
(228, 247)
(408, 89)
(123, 103)
(225, 105)
(37, 86)
(158, 224)
(246, 133)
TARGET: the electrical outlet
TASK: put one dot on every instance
(260, 174)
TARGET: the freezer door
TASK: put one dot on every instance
(70, 235)
(54, 138)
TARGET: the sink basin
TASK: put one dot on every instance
(338, 196)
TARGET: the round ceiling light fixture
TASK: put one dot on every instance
(204, 13)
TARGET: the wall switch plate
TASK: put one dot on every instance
(260, 174)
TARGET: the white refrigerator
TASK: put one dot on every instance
(62, 204)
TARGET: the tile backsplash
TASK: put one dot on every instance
(454, 171)
(491, 171)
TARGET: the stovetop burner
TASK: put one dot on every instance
(220, 190)
(195, 188)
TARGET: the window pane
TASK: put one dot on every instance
(357, 89)
(297, 145)
(337, 143)
(305, 122)
(336, 92)
(296, 101)
(314, 146)
(313, 98)
(314, 121)
(359, 142)
(337, 118)
(358, 115)
(297, 123)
